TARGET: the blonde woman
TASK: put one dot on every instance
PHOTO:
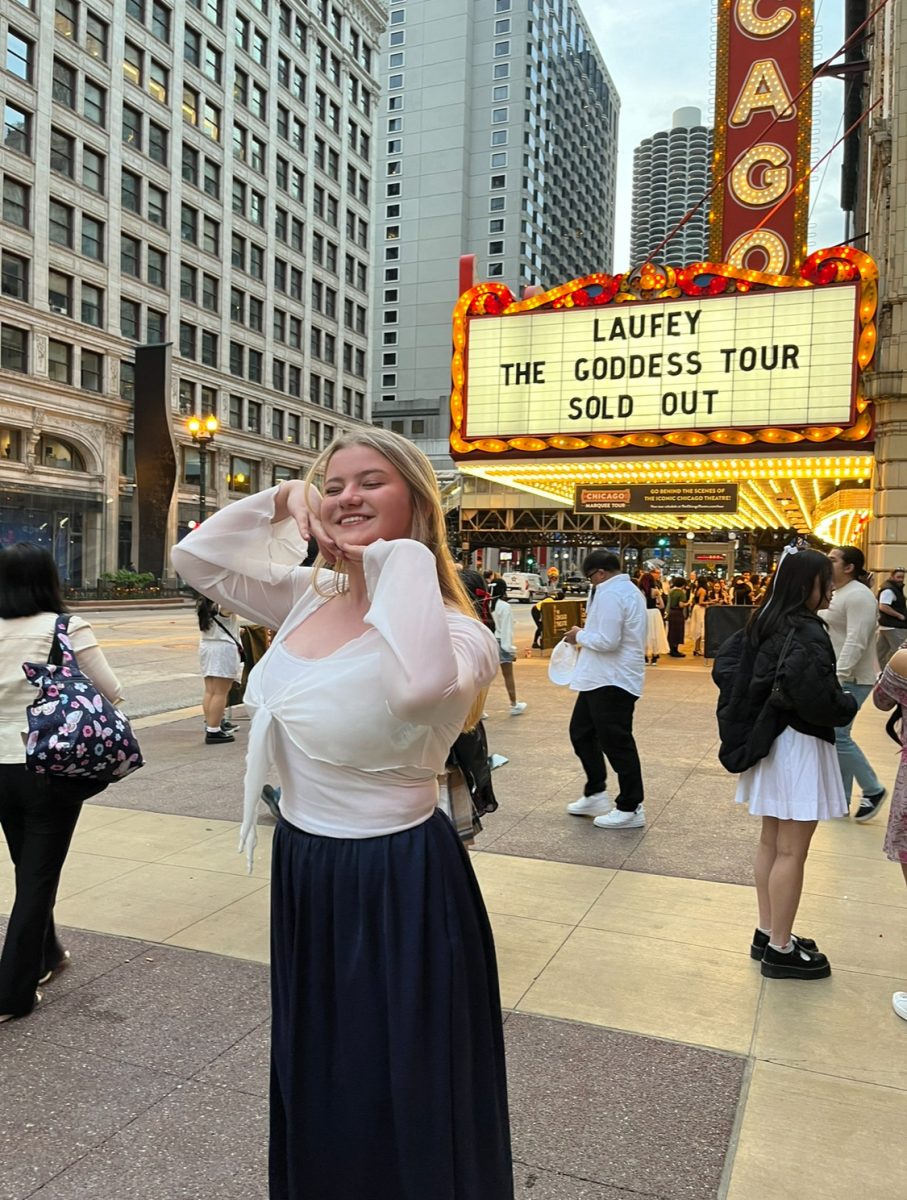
(387, 1048)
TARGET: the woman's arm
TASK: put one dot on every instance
(810, 682)
(92, 661)
(891, 689)
(434, 662)
(247, 556)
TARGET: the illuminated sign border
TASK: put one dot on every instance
(840, 264)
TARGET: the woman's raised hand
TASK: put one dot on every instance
(303, 504)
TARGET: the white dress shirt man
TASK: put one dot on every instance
(608, 682)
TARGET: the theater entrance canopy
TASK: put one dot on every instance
(711, 374)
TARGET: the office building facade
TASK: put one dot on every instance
(671, 175)
(497, 136)
(197, 173)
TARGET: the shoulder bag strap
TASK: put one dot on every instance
(61, 625)
(227, 632)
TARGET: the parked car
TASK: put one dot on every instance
(575, 585)
(524, 587)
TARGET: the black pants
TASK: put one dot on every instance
(38, 816)
(602, 725)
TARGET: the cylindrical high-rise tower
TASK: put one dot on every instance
(671, 174)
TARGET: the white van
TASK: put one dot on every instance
(524, 587)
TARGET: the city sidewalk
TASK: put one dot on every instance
(648, 1058)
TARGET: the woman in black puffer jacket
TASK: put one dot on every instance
(778, 707)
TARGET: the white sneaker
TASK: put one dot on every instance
(591, 806)
(899, 1004)
(616, 819)
(517, 708)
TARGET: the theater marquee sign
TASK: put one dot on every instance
(783, 359)
(709, 354)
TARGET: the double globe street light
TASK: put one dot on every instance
(202, 430)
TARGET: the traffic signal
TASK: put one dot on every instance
(663, 541)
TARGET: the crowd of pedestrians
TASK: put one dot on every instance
(385, 999)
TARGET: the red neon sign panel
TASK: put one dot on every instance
(762, 133)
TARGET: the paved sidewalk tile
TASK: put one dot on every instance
(167, 1009)
(155, 901)
(623, 1111)
(816, 1137)
(199, 1142)
(59, 1104)
(642, 985)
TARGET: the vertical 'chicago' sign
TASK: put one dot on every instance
(762, 133)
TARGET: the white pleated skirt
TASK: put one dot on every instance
(656, 638)
(799, 780)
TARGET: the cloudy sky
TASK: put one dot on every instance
(661, 56)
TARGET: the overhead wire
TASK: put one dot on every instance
(818, 71)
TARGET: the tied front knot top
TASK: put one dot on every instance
(358, 736)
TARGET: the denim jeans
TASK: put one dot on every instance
(851, 759)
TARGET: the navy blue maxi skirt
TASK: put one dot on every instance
(387, 1049)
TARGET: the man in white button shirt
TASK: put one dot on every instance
(608, 679)
(851, 618)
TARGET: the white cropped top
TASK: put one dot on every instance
(358, 737)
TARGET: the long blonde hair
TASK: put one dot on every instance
(428, 525)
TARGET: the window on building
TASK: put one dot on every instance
(157, 267)
(130, 256)
(59, 293)
(132, 127)
(157, 143)
(155, 326)
(243, 476)
(157, 206)
(96, 36)
(209, 348)
(14, 276)
(94, 103)
(64, 84)
(60, 222)
(62, 153)
(17, 204)
(59, 361)
(65, 18)
(13, 348)
(187, 339)
(94, 167)
(210, 292)
(130, 191)
(91, 368)
(130, 318)
(188, 283)
(92, 310)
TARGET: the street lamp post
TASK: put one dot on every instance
(202, 431)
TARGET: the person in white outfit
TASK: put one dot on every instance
(221, 666)
(386, 1011)
(608, 679)
(503, 631)
(851, 618)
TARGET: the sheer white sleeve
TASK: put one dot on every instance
(91, 660)
(245, 562)
(435, 660)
